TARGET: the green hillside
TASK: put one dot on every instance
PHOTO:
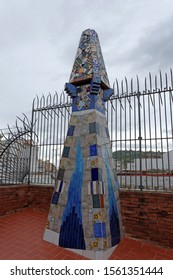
(130, 155)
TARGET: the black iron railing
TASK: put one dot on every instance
(140, 120)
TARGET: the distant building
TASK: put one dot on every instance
(153, 163)
(46, 166)
(168, 160)
(119, 165)
(14, 163)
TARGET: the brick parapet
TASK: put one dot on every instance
(13, 197)
(146, 215)
(16, 197)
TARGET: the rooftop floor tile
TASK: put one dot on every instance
(21, 239)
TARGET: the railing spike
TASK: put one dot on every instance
(161, 84)
(61, 96)
(19, 119)
(47, 99)
(155, 79)
(166, 81)
(57, 97)
(17, 126)
(117, 88)
(114, 88)
(41, 102)
(127, 90)
(54, 98)
(33, 103)
(150, 79)
(145, 85)
(137, 79)
(131, 83)
(122, 88)
(171, 78)
(37, 99)
(25, 117)
(44, 100)
(10, 130)
(64, 97)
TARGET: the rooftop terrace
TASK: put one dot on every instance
(21, 239)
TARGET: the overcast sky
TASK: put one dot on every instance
(39, 40)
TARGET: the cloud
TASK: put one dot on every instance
(39, 40)
(153, 50)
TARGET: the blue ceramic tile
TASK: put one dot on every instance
(60, 186)
(96, 200)
(107, 94)
(66, 151)
(94, 128)
(55, 198)
(70, 89)
(82, 103)
(100, 230)
(94, 174)
(95, 83)
(71, 130)
(71, 231)
(60, 174)
(93, 150)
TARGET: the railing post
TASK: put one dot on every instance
(140, 141)
(30, 150)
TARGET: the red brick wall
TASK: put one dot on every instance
(40, 196)
(148, 215)
(13, 198)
